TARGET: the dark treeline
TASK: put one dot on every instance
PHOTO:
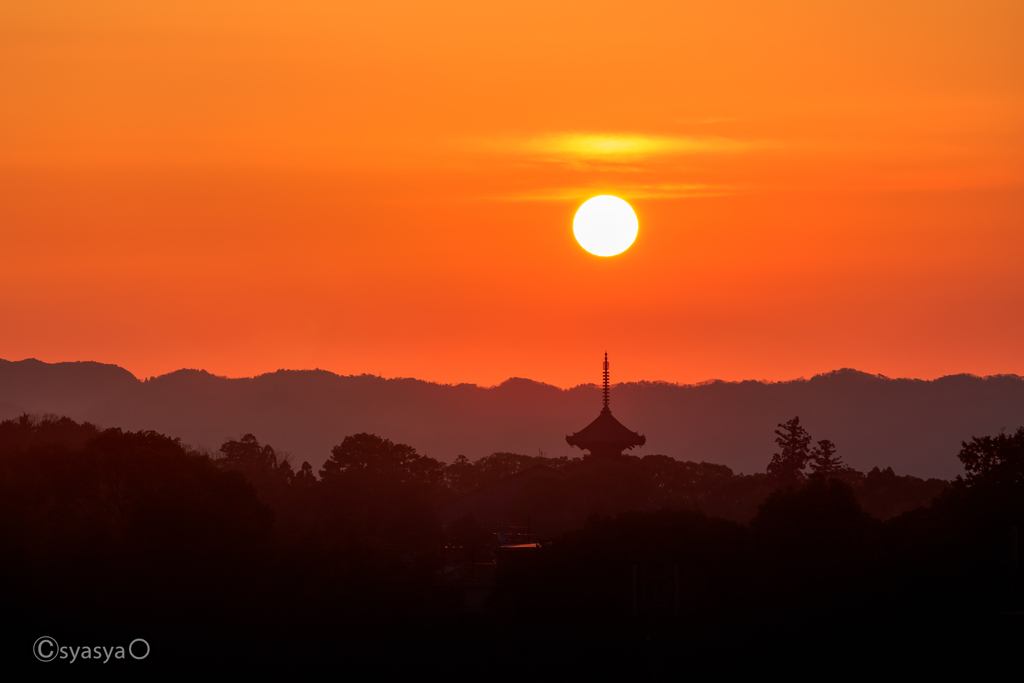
(114, 532)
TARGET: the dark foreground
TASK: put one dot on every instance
(108, 537)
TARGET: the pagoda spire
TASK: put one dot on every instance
(606, 381)
(606, 436)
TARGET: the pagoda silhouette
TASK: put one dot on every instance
(605, 436)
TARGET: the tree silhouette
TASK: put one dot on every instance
(371, 454)
(787, 466)
(305, 476)
(994, 481)
(824, 460)
(994, 458)
(459, 476)
(256, 462)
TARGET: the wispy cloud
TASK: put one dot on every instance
(626, 191)
(574, 166)
(611, 146)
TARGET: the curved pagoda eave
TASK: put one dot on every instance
(605, 434)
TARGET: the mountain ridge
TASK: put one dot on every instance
(913, 425)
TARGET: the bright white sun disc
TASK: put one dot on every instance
(605, 225)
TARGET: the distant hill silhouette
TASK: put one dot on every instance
(915, 426)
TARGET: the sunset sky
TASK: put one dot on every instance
(389, 187)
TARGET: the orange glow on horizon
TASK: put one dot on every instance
(390, 189)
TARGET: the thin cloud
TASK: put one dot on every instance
(612, 146)
(602, 153)
(631, 191)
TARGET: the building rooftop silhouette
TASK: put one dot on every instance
(605, 436)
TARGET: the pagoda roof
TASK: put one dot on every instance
(605, 432)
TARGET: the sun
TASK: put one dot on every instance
(605, 225)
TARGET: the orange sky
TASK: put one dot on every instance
(389, 187)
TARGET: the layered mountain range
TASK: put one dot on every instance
(914, 426)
